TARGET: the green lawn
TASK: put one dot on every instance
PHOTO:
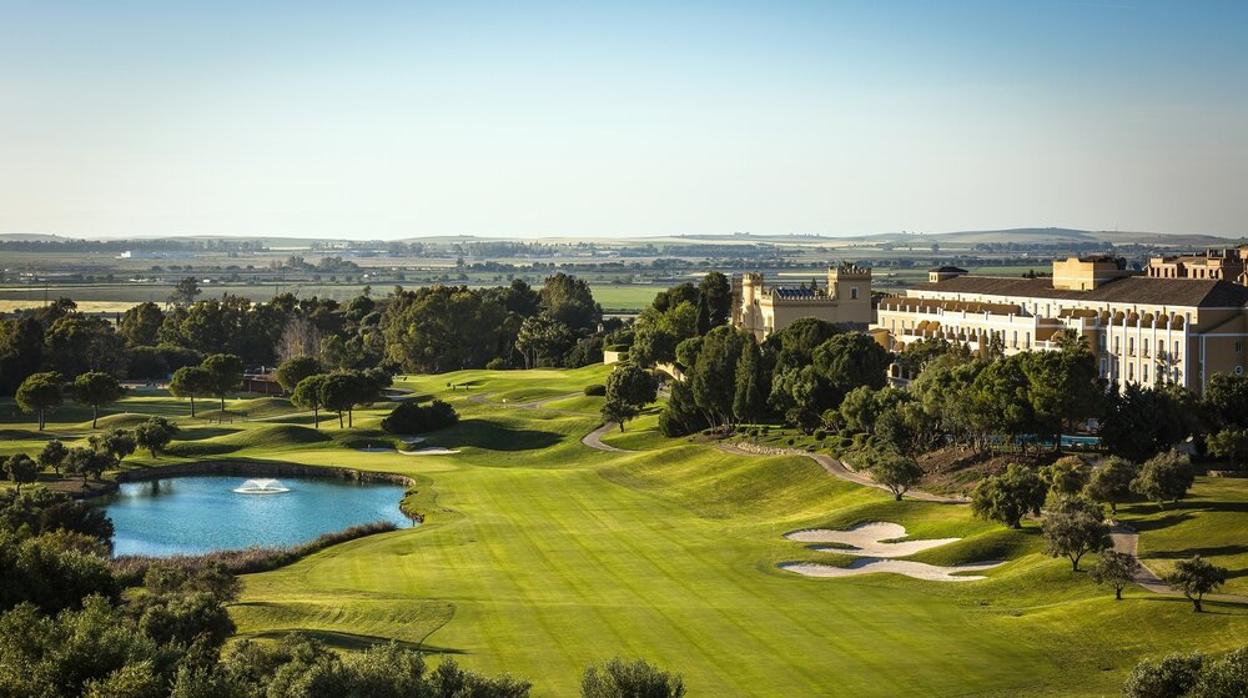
(540, 556)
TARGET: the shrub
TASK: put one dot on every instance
(411, 418)
(497, 363)
(596, 390)
(820, 435)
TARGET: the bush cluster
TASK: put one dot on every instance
(412, 418)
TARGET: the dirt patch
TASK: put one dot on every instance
(956, 470)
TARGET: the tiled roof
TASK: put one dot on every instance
(1208, 293)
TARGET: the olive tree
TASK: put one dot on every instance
(21, 469)
(1196, 577)
(1115, 569)
(1166, 477)
(1010, 496)
(1110, 482)
(52, 455)
(155, 434)
(1075, 527)
(619, 679)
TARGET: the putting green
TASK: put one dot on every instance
(540, 556)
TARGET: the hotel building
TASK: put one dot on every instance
(1179, 322)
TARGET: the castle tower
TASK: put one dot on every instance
(850, 286)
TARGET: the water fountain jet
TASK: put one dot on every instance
(261, 486)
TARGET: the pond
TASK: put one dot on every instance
(203, 513)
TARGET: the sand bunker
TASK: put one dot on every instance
(875, 544)
(870, 565)
(869, 540)
(431, 451)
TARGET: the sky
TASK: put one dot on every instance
(597, 119)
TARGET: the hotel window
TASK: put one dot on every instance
(1014, 340)
(1130, 346)
(1144, 373)
(1027, 339)
(1100, 341)
(1115, 345)
(1130, 372)
(853, 293)
(1104, 368)
(1176, 348)
(1161, 347)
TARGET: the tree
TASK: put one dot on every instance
(1172, 676)
(1075, 527)
(291, 371)
(1164, 478)
(629, 389)
(713, 380)
(184, 292)
(1110, 482)
(715, 291)
(191, 382)
(340, 392)
(140, 325)
(225, 374)
(307, 395)
(155, 434)
(1010, 496)
(1115, 569)
(1067, 476)
(619, 679)
(1226, 397)
(748, 402)
(1231, 444)
(1196, 577)
(1226, 677)
(39, 393)
(896, 472)
(849, 360)
(96, 388)
(118, 443)
(570, 301)
(52, 455)
(1141, 422)
(88, 461)
(542, 339)
(21, 469)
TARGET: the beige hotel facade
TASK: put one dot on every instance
(1146, 328)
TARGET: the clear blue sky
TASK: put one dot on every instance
(375, 119)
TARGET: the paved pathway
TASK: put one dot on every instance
(838, 470)
(1127, 540)
(594, 439)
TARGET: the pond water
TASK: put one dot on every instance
(202, 513)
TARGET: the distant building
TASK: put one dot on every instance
(765, 310)
(1148, 329)
(1223, 265)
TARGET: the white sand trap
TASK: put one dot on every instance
(431, 451)
(870, 565)
(868, 540)
(413, 440)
